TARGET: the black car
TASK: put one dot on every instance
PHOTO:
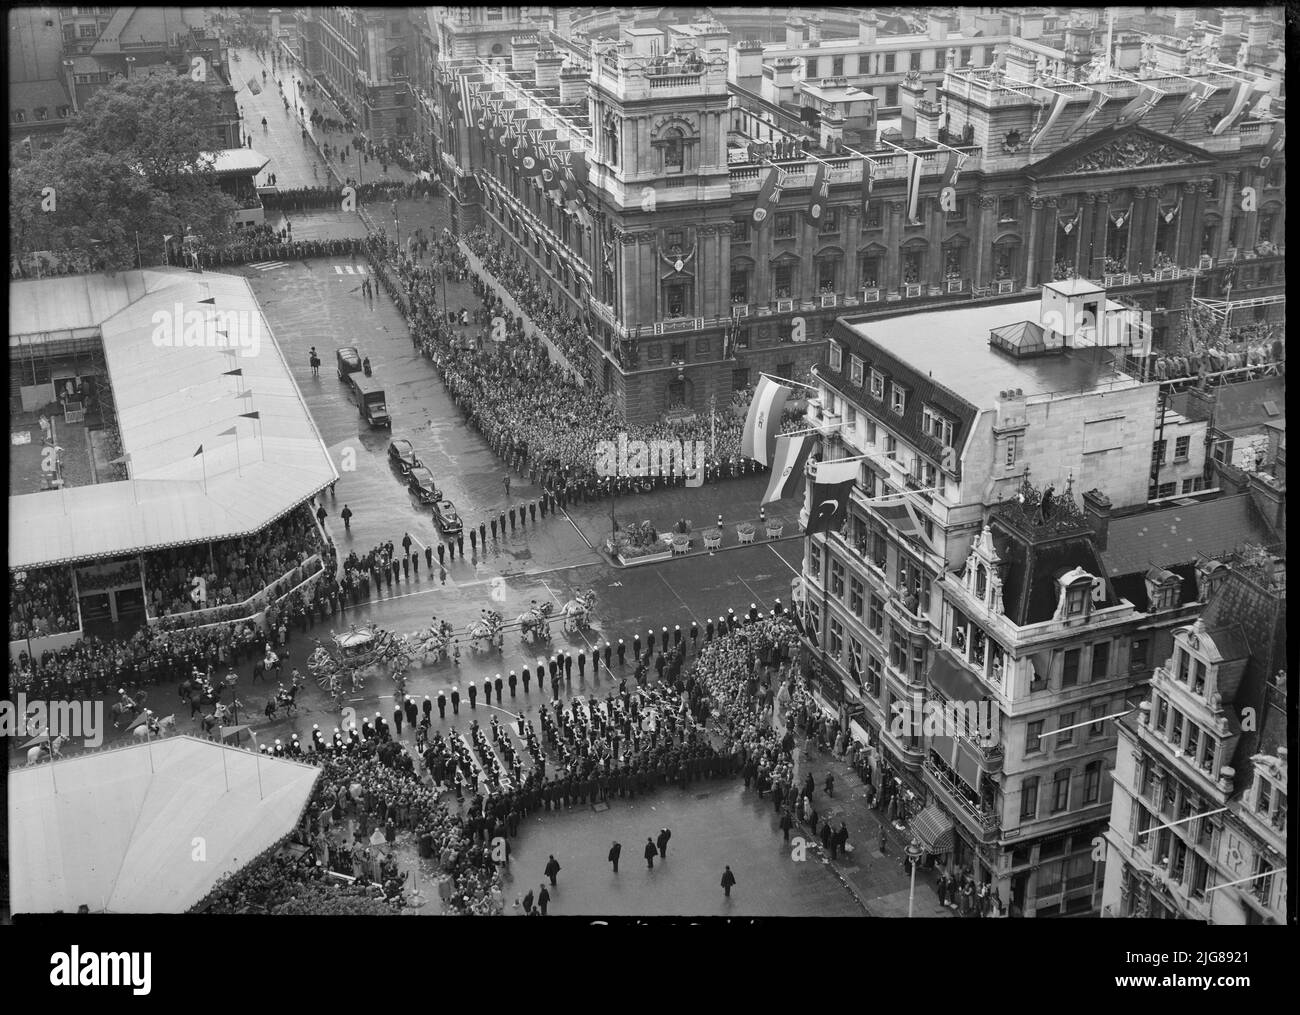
(347, 361)
(444, 513)
(420, 482)
(402, 454)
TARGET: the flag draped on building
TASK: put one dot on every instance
(1058, 107)
(832, 487)
(1170, 209)
(1095, 103)
(1192, 101)
(817, 199)
(788, 466)
(769, 195)
(913, 185)
(1119, 216)
(868, 182)
(1146, 100)
(901, 515)
(948, 185)
(1276, 144)
(1068, 220)
(758, 441)
(1239, 101)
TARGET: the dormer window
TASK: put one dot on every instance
(897, 399)
(855, 368)
(1076, 600)
(837, 357)
(877, 384)
(1263, 795)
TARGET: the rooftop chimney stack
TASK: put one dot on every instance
(936, 24)
(868, 25)
(1096, 507)
(523, 52)
(794, 33)
(546, 69)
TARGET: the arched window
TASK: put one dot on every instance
(673, 151)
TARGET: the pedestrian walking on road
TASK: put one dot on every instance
(321, 513)
(552, 869)
(528, 903)
(650, 853)
(506, 483)
(615, 851)
(830, 784)
(728, 882)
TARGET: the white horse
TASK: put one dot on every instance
(535, 625)
(577, 611)
(163, 726)
(487, 629)
(46, 750)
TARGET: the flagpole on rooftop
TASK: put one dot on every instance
(786, 380)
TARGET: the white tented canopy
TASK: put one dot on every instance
(115, 830)
(190, 360)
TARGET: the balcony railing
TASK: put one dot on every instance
(988, 825)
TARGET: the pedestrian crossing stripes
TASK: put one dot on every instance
(268, 265)
(349, 269)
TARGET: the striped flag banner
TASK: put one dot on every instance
(817, 198)
(466, 101)
(1094, 107)
(758, 441)
(868, 182)
(1058, 107)
(913, 185)
(1276, 144)
(787, 467)
(1237, 100)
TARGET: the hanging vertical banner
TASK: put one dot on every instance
(1142, 103)
(1169, 210)
(1276, 144)
(1237, 100)
(1068, 221)
(1193, 101)
(466, 101)
(821, 190)
(948, 186)
(1120, 216)
(913, 186)
(1058, 107)
(1094, 107)
(868, 182)
(769, 195)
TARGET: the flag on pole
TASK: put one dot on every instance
(769, 195)
(197, 453)
(1094, 107)
(853, 668)
(250, 415)
(787, 467)
(817, 199)
(830, 495)
(1276, 144)
(948, 185)
(237, 372)
(1193, 101)
(1058, 107)
(1141, 104)
(868, 182)
(902, 516)
(1237, 100)
(913, 186)
(232, 432)
(759, 438)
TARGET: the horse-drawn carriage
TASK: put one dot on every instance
(341, 668)
(485, 633)
(535, 624)
(578, 611)
(432, 640)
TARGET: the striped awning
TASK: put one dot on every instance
(934, 828)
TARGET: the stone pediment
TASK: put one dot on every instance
(1133, 149)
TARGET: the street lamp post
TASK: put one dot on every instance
(914, 854)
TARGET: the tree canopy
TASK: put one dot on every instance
(132, 162)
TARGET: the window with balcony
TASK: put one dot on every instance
(673, 151)
(739, 285)
(827, 269)
(874, 220)
(1029, 799)
(1034, 737)
(1065, 738)
(891, 91)
(1176, 729)
(1061, 791)
(782, 281)
(1100, 660)
(836, 357)
(857, 592)
(1008, 210)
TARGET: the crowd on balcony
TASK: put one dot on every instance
(42, 602)
(232, 570)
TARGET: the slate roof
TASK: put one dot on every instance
(1178, 534)
(1029, 590)
(1250, 404)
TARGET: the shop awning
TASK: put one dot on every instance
(934, 828)
(954, 681)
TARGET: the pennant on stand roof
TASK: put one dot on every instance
(821, 191)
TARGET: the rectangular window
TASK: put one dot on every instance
(1193, 740)
(897, 399)
(739, 286)
(873, 675)
(1066, 738)
(1100, 660)
(891, 91)
(784, 224)
(1158, 452)
(830, 221)
(1007, 210)
(915, 61)
(678, 350)
(1029, 799)
(889, 69)
(877, 384)
(837, 356)
(837, 579)
(837, 66)
(836, 646)
(856, 593)
(874, 221)
(1060, 791)
(1034, 737)
(891, 447)
(1166, 490)
(1013, 450)
(875, 615)
(964, 56)
(1092, 783)
(815, 562)
(1176, 729)
(871, 431)
(1070, 669)
(897, 650)
(855, 370)
(1095, 713)
(1137, 654)
(1182, 446)
(739, 230)
(782, 280)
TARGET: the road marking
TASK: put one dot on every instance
(577, 530)
(694, 618)
(552, 594)
(349, 269)
(792, 568)
(268, 265)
